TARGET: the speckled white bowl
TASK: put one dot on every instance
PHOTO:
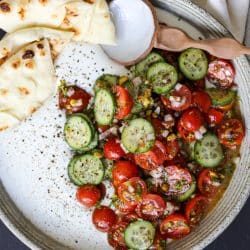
(36, 199)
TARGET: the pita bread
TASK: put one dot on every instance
(18, 39)
(27, 79)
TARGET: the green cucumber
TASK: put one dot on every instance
(108, 166)
(138, 136)
(221, 97)
(208, 152)
(104, 107)
(139, 235)
(193, 63)
(162, 77)
(105, 81)
(188, 193)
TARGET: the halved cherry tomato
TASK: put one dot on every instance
(116, 236)
(158, 126)
(112, 149)
(178, 181)
(178, 100)
(132, 191)
(124, 207)
(104, 218)
(73, 99)
(214, 116)
(172, 148)
(201, 100)
(191, 120)
(88, 195)
(123, 171)
(175, 226)
(231, 132)
(130, 217)
(200, 84)
(186, 135)
(208, 182)
(221, 73)
(151, 207)
(124, 102)
(195, 209)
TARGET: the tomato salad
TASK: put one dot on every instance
(166, 139)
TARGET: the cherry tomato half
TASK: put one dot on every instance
(175, 226)
(124, 102)
(123, 171)
(208, 182)
(195, 209)
(214, 116)
(191, 120)
(200, 84)
(116, 236)
(104, 218)
(132, 191)
(186, 135)
(130, 217)
(151, 207)
(112, 149)
(153, 158)
(179, 99)
(172, 148)
(221, 73)
(123, 207)
(178, 181)
(73, 99)
(231, 132)
(201, 100)
(88, 195)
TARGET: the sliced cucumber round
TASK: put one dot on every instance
(221, 97)
(163, 77)
(92, 145)
(104, 107)
(188, 193)
(86, 169)
(193, 64)
(138, 136)
(139, 235)
(78, 132)
(208, 152)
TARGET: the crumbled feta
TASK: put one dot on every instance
(178, 86)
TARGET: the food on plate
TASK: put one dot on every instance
(12, 42)
(89, 20)
(27, 79)
(162, 138)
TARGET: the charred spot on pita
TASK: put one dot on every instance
(28, 54)
(5, 7)
(40, 46)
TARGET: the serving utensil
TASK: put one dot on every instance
(138, 32)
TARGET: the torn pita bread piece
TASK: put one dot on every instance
(27, 79)
(12, 42)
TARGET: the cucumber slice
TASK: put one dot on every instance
(92, 145)
(86, 169)
(139, 235)
(138, 136)
(129, 86)
(221, 97)
(108, 166)
(163, 77)
(193, 64)
(104, 107)
(105, 81)
(78, 132)
(188, 193)
(142, 67)
(208, 152)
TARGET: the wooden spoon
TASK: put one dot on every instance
(138, 32)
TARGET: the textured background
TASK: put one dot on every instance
(236, 237)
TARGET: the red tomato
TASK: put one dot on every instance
(208, 182)
(88, 195)
(123, 171)
(178, 100)
(231, 132)
(130, 217)
(153, 158)
(214, 116)
(124, 207)
(195, 209)
(104, 218)
(187, 136)
(158, 126)
(131, 191)
(200, 84)
(124, 102)
(178, 181)
(172, 147)
(202, 101)
(175, 226)
(116, 236)
(73, 99)
(221, 73)
(151, 207)
(112, 149)
(191, 120)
